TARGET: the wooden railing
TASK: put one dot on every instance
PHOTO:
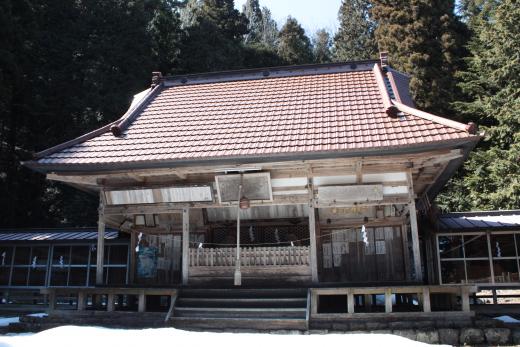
(423, 293)
(80, 294)
(250, 256)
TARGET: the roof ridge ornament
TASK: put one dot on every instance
(157, 78)
(383, 58)
(390, 109)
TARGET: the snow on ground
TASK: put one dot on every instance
(507, 319)
(5, 321)
(74, 336)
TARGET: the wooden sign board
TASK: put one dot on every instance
(255, 186)
(157, 195)
(350, 194)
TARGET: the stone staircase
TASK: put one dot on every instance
(241, 308)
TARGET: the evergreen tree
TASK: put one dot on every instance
(269, 30)
(253, 13)
(425, 39)
(355, 37)
(213, 42)
(294, 47)
(165, 35)
(66, 68)
(321, 46)
(188, 12)
(491, 177)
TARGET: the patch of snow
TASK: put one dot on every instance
(507, 319)
(39, 315)
(5, 321)
(67, 336)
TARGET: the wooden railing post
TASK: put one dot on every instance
(110, 302)
(350, 302)
(426, 299)
(464, 296)
(141, 304)
(388, 300)
(81, 301)
(314, 302)
(51, 298)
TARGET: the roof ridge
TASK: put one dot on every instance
(273, 68)
(267, 73)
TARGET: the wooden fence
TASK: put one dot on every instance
(250, 256)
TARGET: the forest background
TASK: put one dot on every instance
(70, 66)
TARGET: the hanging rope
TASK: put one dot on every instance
(280, 242)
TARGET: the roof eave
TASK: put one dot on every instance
(466, 143)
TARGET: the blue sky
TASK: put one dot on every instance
(311, 14)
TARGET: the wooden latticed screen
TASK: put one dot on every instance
(271, 236)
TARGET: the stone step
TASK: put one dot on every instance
(244, 293)
(242, 302)
(221, 312)
(211, 323)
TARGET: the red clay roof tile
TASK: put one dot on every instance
(340, 111)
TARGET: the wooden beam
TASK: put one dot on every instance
(185, 244)
(313, 249)
(100, 242)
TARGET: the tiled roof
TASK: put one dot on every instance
(480, 220)
(299, 112)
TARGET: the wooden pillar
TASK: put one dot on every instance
(238, 275)
(185, 244)
(100, 243)
(414, 228)
(415, 241)
(133, 257)
(313, 250)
